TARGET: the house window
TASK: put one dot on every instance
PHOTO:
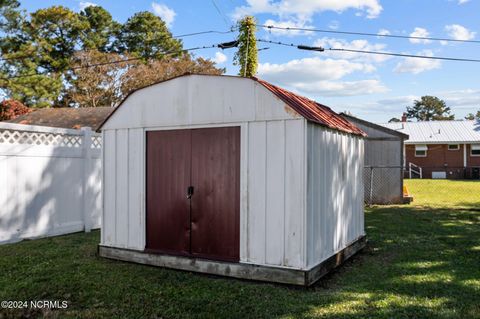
(421, 150)
(453, 147)
(475, 150)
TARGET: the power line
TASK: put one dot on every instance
(112, 62)
(204, 32)
(220, 12)
(366, 34)
(312, 48)
(232, 29)
(406, 55)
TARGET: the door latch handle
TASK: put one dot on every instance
(189, 192)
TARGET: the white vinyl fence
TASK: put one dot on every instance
(50, 181)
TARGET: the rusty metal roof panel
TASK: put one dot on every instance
(312, 110)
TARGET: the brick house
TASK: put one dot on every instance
(441, 149)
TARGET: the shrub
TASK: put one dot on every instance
(10, 109)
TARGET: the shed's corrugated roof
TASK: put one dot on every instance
(307, 108)
(437, 132)
(374, 126)
(312, 110)
(66, 117)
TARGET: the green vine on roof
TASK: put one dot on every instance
(246, 56)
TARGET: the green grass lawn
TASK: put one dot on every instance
(420, 263)
(444, 192)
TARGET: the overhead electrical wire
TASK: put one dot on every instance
(233, 29)
(220, 12)
(225, 45)
(204, 32)
(365, 34)
(321, 49)
(406, 55)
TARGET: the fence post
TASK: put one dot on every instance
(87, 171)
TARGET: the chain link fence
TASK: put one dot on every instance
(383, 185)
(425, 186)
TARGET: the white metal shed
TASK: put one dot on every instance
(384, 157)
(231, 176)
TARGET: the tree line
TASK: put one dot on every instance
(45, 54)
(431, 108)
(46, 59)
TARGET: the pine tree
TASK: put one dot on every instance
(471, 116)
(429, 108)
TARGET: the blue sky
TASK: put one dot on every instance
(372, 87)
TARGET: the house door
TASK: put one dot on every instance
(193, 192)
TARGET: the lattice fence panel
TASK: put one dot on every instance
(96, 141)
(40, 139)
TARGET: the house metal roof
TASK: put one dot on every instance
(438, 132)
(65, 117)
(312, 110)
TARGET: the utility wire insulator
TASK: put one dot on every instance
(228, 45)
(309, 48)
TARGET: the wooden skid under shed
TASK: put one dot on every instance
(237, 270)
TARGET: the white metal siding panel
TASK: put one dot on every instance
(335, 192)
(244, 197)
(295, 193)
(219, 100)
(275, 191)
(122, 189)
(110, 174)
(360, 188)
(257, 140)
(136, 160)
(269, 107)
(313, 224)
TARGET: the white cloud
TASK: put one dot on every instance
(461, 101)
(334, 25)
(463, 1)
(310, 69)
(363, 45)
(219, 58)
(342, 88)
(164, 12)
(383, 32)
(419, 32)
(303, 10)
(321, 76)
(418, 65)
(84, 4)
(398, 101)
(458, 32)
(467, 98)
(287, 24)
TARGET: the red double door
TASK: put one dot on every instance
(193, 192)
